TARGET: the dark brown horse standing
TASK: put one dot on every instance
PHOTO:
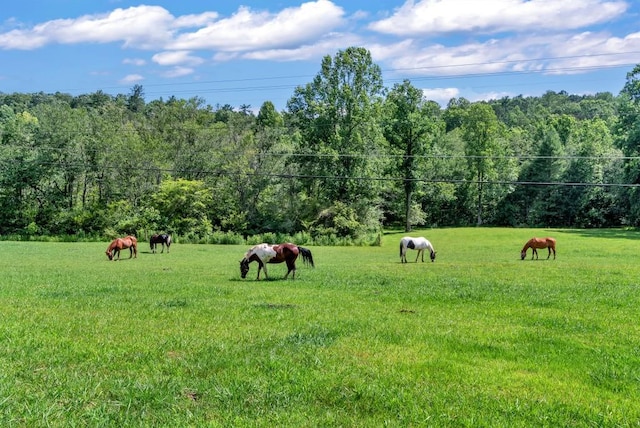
(118, 244)
(164, 239)
(538, 243)
(266, 253)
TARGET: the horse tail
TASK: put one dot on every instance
(168, 240)
(307, 258)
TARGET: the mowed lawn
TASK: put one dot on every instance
(478, 338)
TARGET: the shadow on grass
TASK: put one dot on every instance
(631, 233)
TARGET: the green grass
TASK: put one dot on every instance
(478, 338)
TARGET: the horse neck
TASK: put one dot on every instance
(526, 246)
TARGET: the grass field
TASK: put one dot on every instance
(478, 338)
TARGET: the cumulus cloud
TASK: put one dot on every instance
(440, 95)
(562, 53)
(176, 57)
(250, 30)
(143, 27)
(293, 33)
(432, 17)
(331, 43)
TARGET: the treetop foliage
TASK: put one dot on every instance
(346, 157)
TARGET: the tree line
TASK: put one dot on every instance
(345, 158)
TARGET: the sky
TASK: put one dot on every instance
(249, 52)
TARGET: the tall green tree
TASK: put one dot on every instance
(337, 115)
(628, 138)
(546, 168)
(480, 133)
(410, 127)
(20, 172)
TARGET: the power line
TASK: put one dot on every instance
(203, 89)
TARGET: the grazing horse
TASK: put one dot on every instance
(535, 243)
(419, 244)
(266, 253)
(163, 239)
(118, 244)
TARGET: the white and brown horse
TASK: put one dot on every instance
(266, 253)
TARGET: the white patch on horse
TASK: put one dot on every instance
(264, 252)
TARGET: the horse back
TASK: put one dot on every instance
(285, 252)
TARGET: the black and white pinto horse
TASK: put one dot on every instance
(419, 244)
(163, 239)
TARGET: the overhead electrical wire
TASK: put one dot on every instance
(202, 85)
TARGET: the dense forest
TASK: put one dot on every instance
(346, 158)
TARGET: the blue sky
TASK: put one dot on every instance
(258, 50)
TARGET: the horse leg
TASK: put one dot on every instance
(291, 267)
(418, 256)
(162, 248)
(262, 266)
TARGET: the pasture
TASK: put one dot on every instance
(478, 338)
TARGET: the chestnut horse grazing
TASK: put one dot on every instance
(419, 244)
(164, 239)
(118, 244)
(535, 244)
(266, 253)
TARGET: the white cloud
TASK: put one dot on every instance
(178, 72)
(131, 78)
(325, 46)
(142, 26)
(176, 57)
(555, 53)
(134, 61)
(440, 95)
(203, 19)
(251, 30)
(431, 17)
(293, 33)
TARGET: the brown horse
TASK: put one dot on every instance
(118, 244)
(266, 253)
(535, 244)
